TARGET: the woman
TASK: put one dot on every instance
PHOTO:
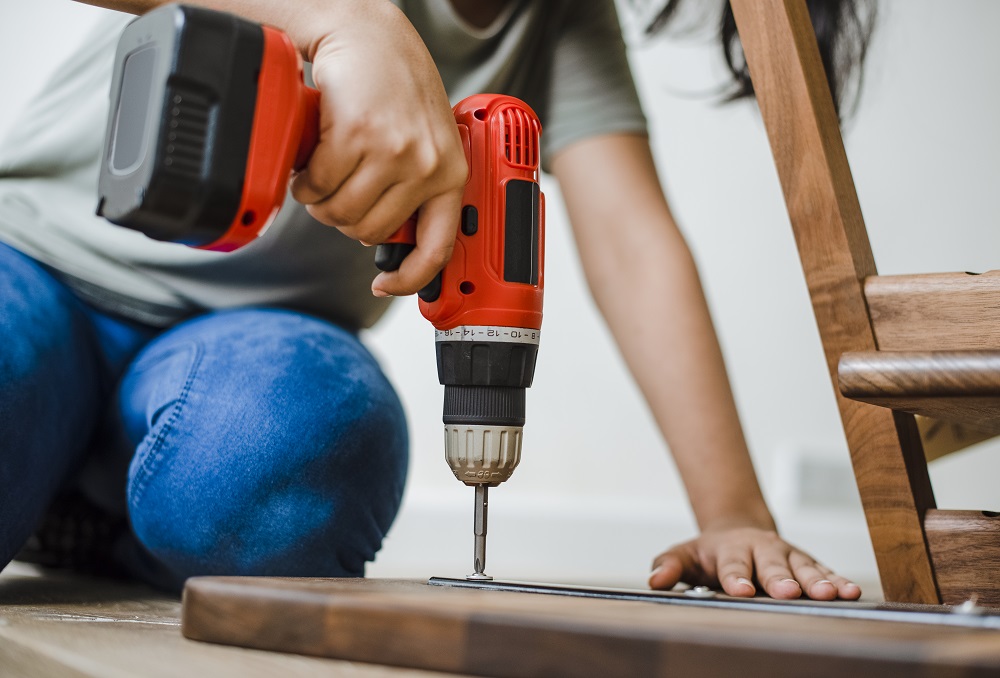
(206, 397)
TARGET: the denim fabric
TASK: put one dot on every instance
(251, 441)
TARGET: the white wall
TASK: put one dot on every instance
(596, 496)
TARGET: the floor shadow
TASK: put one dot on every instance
(61, 588)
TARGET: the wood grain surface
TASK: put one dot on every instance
(926, 374)
(836, 258)
(965, 549)
(935, 311)
(504, 634)
(958, 386)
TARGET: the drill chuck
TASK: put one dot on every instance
(485, 371)
(482, 454)
(482, 432)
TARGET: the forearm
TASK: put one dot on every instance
(645, 282)
(657, 313)
(307, 22)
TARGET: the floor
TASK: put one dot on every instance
(69, 627)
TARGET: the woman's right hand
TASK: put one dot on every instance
(388, 144)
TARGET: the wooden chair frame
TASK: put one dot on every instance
(924, 555)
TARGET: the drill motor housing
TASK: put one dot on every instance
(488, 317)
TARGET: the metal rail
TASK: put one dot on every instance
(966, 615)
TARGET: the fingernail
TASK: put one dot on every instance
(745, 581)
(792, 581)
(380, 293)
(824, 581)
(656, 571)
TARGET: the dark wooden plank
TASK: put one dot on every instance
(965, 548)
(935, 312)
(504, 634)
(836, 257)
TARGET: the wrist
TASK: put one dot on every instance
(327, 22)
(753, 514)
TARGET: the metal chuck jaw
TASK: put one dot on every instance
(485, 372)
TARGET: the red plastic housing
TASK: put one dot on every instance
(284, 134)
(501, 137)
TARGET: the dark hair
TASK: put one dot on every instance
(843, 31)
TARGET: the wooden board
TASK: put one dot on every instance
(935, 311)
(495, 633)
(67, 626)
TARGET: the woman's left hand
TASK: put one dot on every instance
(742, 559)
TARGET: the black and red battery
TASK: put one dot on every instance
(210, 116)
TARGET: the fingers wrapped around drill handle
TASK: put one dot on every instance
(390, 254)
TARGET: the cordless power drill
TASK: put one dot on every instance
(210, 115)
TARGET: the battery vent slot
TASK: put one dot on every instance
(520, 138)
(186, 138)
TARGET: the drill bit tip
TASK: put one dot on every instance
(479, 558)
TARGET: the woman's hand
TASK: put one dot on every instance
(388, 144)
(744, 558)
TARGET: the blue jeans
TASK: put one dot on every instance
(252, 441)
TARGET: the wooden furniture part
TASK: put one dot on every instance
(940, 329)
(514, 635)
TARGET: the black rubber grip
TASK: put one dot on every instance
(484, 405)
(389, 256)
(486, 363)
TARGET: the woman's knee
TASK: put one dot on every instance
(287, 455)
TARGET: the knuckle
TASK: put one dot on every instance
(398, 146)
(458, 169)
(356, 127)
(305, 188)
(426, 162)
(343, 214)
(774, 578)
(734, 560)
(439, 256)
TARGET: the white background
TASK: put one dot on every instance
(596, 496)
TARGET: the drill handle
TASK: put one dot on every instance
(390, 254)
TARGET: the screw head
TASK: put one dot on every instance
(700, 592)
